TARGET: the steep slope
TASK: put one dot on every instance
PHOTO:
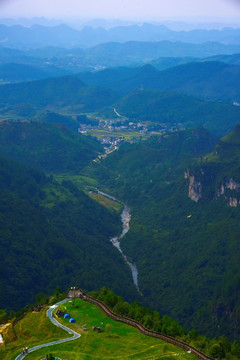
(52, 148)
(164, 63)
(53, 235)
(41, 92)
(184, 236)
(58, 92)
(233, 59)
(121, 79)
(218, 172)
(12, 72)
(211, 80)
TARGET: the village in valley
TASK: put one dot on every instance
(114, 132)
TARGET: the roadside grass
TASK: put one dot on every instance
(117, 341)
(32, 330)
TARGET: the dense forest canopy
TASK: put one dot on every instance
(192, 244)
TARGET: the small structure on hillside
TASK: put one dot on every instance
(37, 308)
(75, 292)
(72, 320)
(66, 316)
(97, 328)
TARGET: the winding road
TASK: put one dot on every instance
(56, 323)
(116, 317)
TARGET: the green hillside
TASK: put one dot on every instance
(51, 235)
(12, 72)
(210, 80)
(58, 119)
(53, 148)
(56, 92)
(117, 341)
(122, 79)
(233, 59)
(186, 249)
(164, 63)
(174, 108)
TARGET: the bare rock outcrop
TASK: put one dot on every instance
(195, 187)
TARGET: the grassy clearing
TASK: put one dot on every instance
(79, 181)
(117, 341)
(126, 135)
(110, 204)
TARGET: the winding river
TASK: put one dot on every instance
(125, 218)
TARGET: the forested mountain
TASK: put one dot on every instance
(173, 109)
(184, 236)
(139, 52)
(53, 235)
(228, 59)
(53, 148)
(13, 72)
(164, 63)
(57, 92)
(211, 80)
(183, 188)
(112, 54)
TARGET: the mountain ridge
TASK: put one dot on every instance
(62, 34)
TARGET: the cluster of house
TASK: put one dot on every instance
(113, 125)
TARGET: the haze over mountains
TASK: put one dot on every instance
(134, 87)
(62, 35)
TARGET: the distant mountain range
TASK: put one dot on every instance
(57, 92)
(55, 61)
(13, 72)
(140, 94)
(211, 80)
(62, 35)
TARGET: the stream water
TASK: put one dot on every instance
(125, 218)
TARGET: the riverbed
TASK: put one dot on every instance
(116, 240)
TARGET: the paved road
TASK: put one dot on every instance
(55, 322)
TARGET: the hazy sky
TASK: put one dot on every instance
(125, 9)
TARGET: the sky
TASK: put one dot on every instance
(121, 9)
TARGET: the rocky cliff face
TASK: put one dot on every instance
(231, 196)
(195, 187)
(230, 189)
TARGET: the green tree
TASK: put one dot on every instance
(3, 316)
(217, 351)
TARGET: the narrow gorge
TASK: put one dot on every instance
(116, 240)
